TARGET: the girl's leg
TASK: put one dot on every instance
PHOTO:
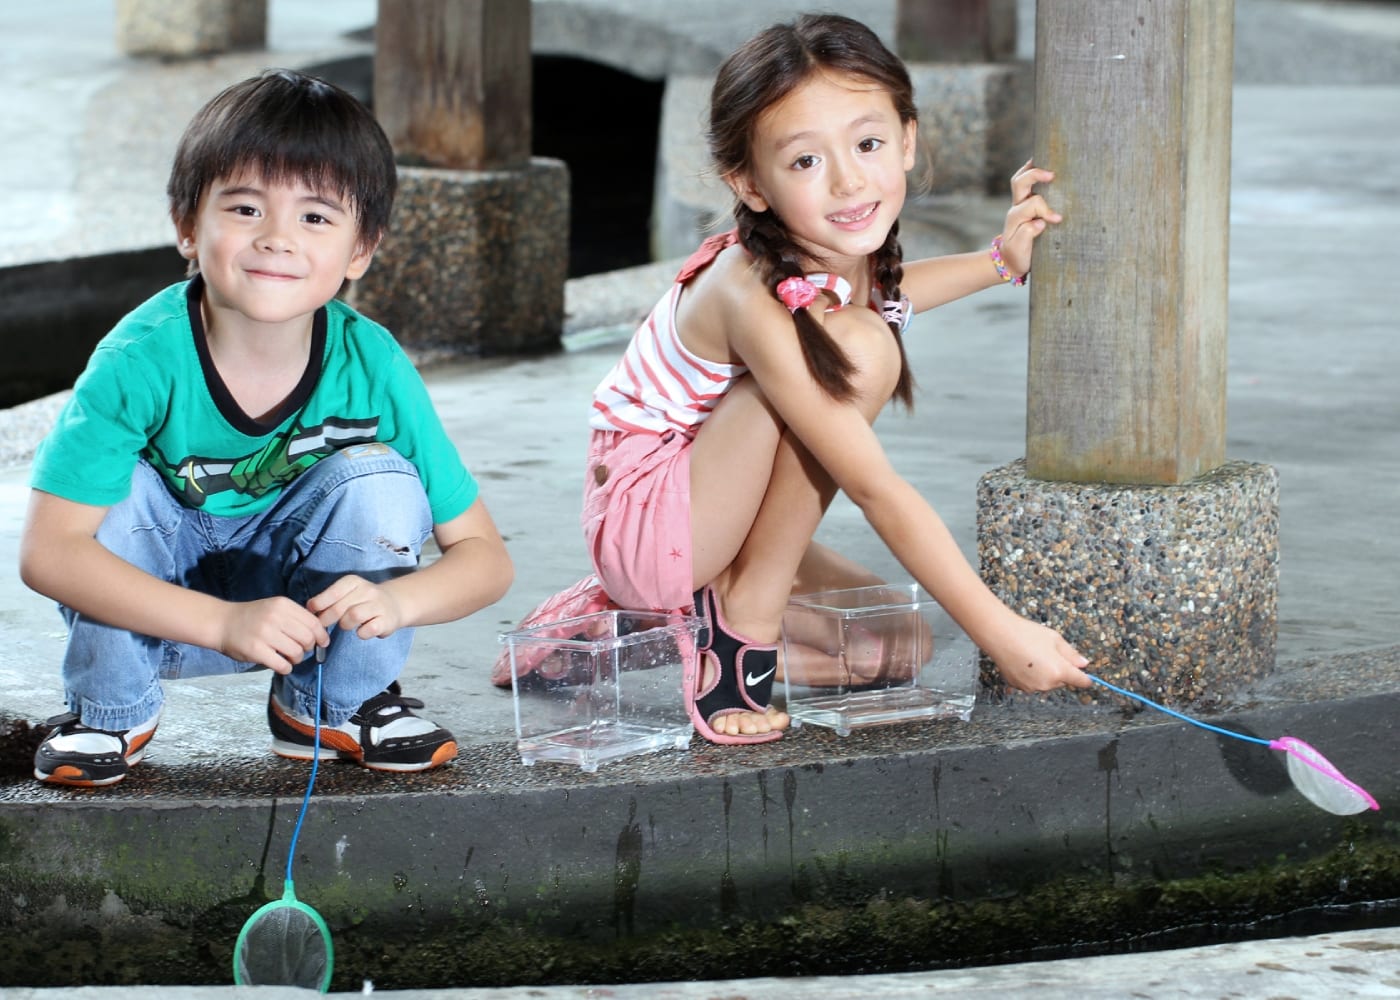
(757, 498)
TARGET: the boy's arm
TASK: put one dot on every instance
(474, 571)
(61, 558)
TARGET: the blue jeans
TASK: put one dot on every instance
(362, 510)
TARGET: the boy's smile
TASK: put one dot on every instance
(271, 253)
(829, 159)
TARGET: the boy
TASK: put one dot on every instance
(248, 469)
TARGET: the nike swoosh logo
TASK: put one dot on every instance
(750, 680)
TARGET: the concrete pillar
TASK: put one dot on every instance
(1125, 527)
(190, 27)
(965, 31)
(974, 98)
(477, 254)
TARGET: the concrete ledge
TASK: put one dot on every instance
(475, 261)
(1171, 591)
(904, 847)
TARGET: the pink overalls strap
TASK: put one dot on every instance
(705, 254)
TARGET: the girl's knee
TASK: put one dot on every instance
(877, 361)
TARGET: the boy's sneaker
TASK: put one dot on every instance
(74, 754)
(383, 734)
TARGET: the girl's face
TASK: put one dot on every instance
(830, 160)
(272, 253)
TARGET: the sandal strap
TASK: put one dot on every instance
(744, 671)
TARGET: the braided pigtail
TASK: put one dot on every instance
(772, 250)
(889, 272)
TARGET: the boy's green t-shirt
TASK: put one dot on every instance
(150, 391)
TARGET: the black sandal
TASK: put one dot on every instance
(743, 676)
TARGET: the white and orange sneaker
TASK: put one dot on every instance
(383, 734)
(82, 757)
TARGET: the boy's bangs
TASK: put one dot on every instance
(311, 158)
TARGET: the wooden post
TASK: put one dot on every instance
(1128, 299)
(452, 82)
(477, 254)
(959, 31)
(1125, 527)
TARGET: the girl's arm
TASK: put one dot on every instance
(934, 281)
(1030, 656)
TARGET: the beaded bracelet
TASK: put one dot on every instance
(1000, 265)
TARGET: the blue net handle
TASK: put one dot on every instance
(1177, 715)
(315, 763)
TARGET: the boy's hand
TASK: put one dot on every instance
(356, 605)
(1028, 218)
(1032, 657)
(275, 632)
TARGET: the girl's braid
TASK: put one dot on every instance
(889, 272)
(772, 249)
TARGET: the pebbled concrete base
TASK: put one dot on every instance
(1171, 591)
(475, 261)
(192, 28)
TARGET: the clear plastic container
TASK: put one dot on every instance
(873, 655)
(600, 687)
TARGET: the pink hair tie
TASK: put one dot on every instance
(897, 313)
(797, 293)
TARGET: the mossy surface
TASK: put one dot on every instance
(106, 941)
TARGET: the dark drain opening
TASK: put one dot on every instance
(604, 124)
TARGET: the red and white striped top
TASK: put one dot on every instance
(658, 385)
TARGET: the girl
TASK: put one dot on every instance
(747, 398)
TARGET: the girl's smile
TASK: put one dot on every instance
(855, 219)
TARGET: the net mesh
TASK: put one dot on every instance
(1323, 785)
(284, 944)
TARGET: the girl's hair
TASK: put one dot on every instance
(289, 127)
(761, 72)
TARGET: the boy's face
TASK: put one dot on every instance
(272, 253)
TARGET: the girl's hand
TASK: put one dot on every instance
(276, 632)
(356, 605)
(1032, 657)
(1028, 218)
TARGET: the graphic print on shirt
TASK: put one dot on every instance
(282, 459)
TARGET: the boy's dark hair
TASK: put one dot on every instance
(288, 126)
(762, 72)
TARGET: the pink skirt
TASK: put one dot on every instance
(636, 518)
